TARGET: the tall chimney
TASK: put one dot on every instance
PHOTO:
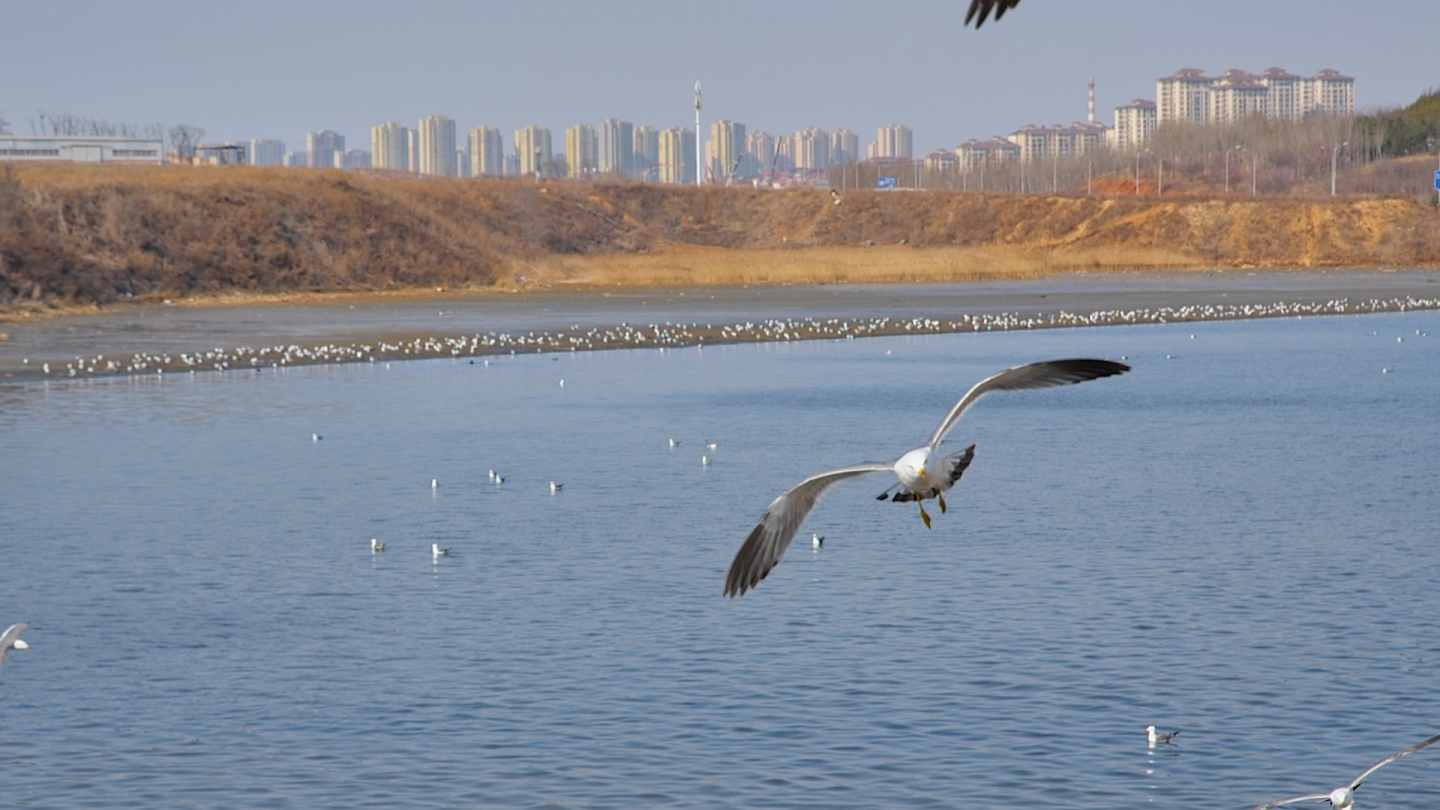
(1090, 96)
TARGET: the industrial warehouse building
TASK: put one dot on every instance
(80, 149)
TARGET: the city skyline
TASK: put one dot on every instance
(309, 68)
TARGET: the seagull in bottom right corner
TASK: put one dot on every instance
(1344, 796)
(1159, 737)
(10, 639)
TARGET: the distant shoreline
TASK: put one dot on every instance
(343, 328)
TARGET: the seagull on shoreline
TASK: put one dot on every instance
(10, 639)
(1159, 737)
(920, 474)
(1344, 796)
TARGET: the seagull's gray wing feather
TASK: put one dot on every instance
(1293, 799)
(767, 542)
(8, 638)
(1387, 760)
(984, 7)
(1033, 375)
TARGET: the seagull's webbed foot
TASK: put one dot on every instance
(941, 498)
(925, 516)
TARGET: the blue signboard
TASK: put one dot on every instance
(889, 182)
(1437, 179)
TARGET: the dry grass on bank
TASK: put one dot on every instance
(717, 267)
(78, 236)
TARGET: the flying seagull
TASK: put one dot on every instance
(920, 474)
(982, 9)
(1343, 797)
(11, 639)
(1159, 737)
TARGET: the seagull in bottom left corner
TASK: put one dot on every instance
(10, 639)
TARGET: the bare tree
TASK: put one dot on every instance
(184, 138)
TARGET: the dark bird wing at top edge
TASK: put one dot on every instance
(767, 542)
(980, 10)
(1047, 374)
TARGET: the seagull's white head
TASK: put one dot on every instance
(20, 645)
(910, 469)
(1341, 798)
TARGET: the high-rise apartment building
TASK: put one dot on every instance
(267, 152)
(582, 151)
(462, 161)
(1037, 143)
(726, 150)
(487, 151)
(412, 150)
(320, 148)
(1330, 93)
(617, 147)
(1189, 96)
(1134, 124)
(676, 155)
(893, 141)
(390, 146)
(1236, 95)
(844, 146)
(810, 149)
(978, 154)
(761, 145)
(437, 146)
(646, 152)
(532, 149)
(352, 159)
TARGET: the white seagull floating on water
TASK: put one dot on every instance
(10, 639)
(920, 474)
(1344, 796)
(436, 552)
(1159, 737)
(376, 546)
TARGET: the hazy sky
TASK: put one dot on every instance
(265, 68)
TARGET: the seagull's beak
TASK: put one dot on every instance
(20, 645)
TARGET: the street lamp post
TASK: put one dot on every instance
(699, 170)
(1334, 156)
(1227, 165)
(1138, 153)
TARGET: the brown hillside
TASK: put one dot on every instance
(92, 235)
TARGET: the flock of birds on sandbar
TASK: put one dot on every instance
(681, 335)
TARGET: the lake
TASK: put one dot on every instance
(1237, 540)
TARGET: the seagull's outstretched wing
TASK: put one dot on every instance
(8, 637)
(1034, 375)
(1293, 799)
(772, 535)
(1387, 760)
(984, 7)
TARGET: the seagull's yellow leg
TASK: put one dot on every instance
(923, 515)
(941, 499)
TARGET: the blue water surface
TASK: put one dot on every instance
(1237, 540)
